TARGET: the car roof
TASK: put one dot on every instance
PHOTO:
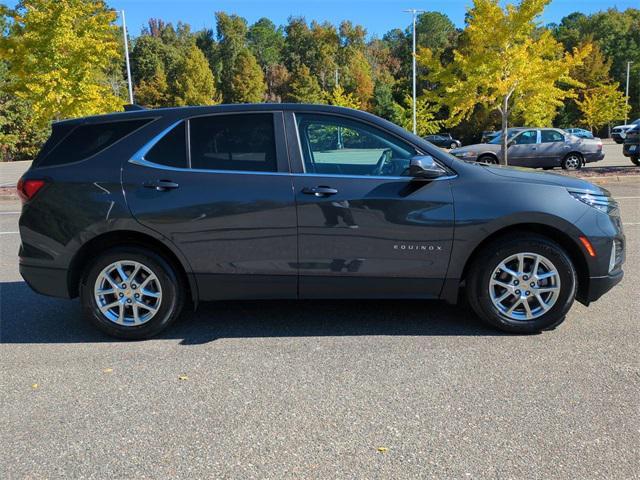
(213, 109)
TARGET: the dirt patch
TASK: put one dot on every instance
(591, 172)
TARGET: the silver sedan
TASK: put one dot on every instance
(536, 148)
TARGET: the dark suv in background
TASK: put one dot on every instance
(631, 147)
(137, 212)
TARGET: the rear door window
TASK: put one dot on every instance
(171, 150)
(242, 142)
(84, 141)
(550, 136)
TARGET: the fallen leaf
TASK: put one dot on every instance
(183, 377)
(34, 386)
(108, 370)
(383, 449)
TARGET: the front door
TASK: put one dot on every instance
(367, 229)
(226, 202)
(522, 150)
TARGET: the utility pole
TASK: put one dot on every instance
(414, 12)
(126, 56)
(626, 93)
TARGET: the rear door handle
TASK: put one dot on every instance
(161, 185)
(320, 191)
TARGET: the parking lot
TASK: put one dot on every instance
(384, 389)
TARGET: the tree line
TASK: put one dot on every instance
(64, 58)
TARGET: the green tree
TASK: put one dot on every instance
(304, 87)
(232, 39)
(192, 82)
(154, 92)
(58, 52)
(247, 82)
(602, 104)
(266, 42)
(505, 63)
(426, 113)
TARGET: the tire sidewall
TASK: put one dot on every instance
(172, 295)
(541, 246)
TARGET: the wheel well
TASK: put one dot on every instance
(561, 238)
(487, 155)
(573, 152)
(117, 239)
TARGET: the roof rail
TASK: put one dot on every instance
(133, 107)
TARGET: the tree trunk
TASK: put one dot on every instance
(505, 116)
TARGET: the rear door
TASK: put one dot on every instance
(522, 151)
(219, 187)
(553, 146)
(366, 229)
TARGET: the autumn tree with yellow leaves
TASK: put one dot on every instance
(505, 63)
(58, 52)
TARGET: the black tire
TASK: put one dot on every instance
(490, 159)
(170, 303)
(490, 257)
(573, 161)
(636, 161)
(453, 145)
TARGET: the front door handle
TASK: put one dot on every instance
(320, 191)
(161, 185)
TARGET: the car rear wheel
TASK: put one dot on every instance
(490, 159)
(573, 161)
(453, 145)
(131, 293)
(636, 160)
(522, 284)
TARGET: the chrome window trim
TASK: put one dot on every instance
(138, 158)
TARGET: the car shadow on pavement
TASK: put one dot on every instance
(26, 317)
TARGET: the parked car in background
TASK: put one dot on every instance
(444, 140)
(488, 135)
(536, 148)
(619, 132)
(631, 146)
(579, 132)
(138, 212)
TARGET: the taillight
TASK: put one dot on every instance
(27, 189)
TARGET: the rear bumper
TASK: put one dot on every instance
(598, 286)
(46, 281)
(593, 157)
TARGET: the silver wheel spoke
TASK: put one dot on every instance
(530, 299)
(113, 300)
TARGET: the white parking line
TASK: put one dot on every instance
(630, 224)
(9, 213)
(9, 233)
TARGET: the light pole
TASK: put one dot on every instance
(126, 56)
(414, 12)
(626, 93)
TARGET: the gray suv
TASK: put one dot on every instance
(136, 213)
(536, 148)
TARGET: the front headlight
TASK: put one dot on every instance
(467, 154)
(601, 202)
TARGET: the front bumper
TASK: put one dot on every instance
(46, 281)
(598, 286)
(631, 150)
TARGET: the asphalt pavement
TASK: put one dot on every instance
(322, 389)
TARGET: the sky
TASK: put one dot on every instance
(377, 16)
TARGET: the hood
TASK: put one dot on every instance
(529, 176)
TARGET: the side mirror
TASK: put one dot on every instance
(424, 166)
(511, 143)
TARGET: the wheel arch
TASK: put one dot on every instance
(570, 246)
(120, 238)
(488, 154)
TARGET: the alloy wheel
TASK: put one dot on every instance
(128, 293)
(524, 286)
(572, 162)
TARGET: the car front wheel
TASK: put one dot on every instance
(131, 293)
(522, 284)
(636, 160)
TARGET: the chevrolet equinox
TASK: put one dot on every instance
(138, 212)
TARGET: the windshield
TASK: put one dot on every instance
(498, 138)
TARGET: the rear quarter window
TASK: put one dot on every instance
(84, 141)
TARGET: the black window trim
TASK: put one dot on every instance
(282, 157)
(86, 124)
